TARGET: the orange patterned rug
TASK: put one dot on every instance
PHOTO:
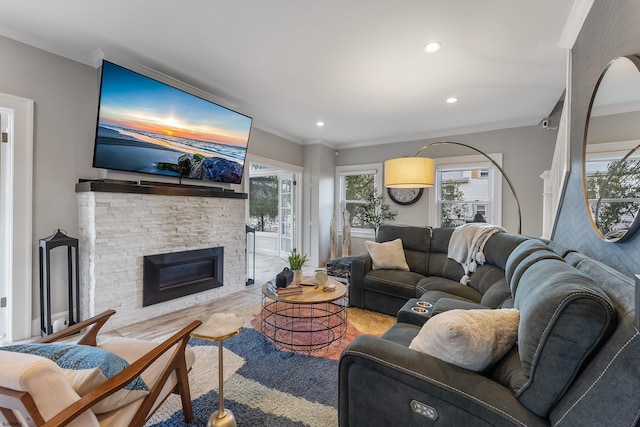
(358, 322)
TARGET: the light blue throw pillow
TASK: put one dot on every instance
(87, 367)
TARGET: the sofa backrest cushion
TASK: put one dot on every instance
(500, 246)
(496, 251)
(559, 248)
(564, 317)
(439, 263)
(490, 275)
(497, 294)
(530, 260)
(416, 242)
(524, 256)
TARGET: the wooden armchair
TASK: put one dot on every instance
(34, 391)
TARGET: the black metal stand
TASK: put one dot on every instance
(251, 259)
(58, 239)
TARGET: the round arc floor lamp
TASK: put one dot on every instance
(419, 172)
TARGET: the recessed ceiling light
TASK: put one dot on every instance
(452, 100)
(320, 123)
(432, 47)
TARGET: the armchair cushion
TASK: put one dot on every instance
(387, 255)
(85, 368)
(34, 387)
(132, 349)
(44, 381)
(471, 339)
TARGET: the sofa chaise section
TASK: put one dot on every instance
(574, 336)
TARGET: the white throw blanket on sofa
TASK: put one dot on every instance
(467, 245)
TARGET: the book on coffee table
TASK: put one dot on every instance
(293, 288)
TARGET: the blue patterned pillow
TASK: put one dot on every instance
(86, 368)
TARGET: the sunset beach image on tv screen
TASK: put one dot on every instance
(150, 127)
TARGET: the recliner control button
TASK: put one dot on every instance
(424, 410)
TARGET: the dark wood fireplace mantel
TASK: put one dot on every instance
(158, 188)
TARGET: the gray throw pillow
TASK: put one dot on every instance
(472, 339)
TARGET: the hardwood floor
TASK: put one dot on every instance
(244, 303)
(163, 326)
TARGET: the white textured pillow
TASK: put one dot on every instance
(471, 339)
(387, 255)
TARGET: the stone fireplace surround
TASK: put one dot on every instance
(121, 222)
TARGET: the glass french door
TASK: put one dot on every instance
(286, 212)
(273, 208)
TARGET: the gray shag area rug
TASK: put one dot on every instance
(262, 385)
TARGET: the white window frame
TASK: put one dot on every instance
(607, 152)
(470, 162)
(341, 173)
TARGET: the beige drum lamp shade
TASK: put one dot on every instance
(409, 172)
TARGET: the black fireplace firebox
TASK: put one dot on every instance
(177, 274)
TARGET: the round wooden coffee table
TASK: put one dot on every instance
(307, 321)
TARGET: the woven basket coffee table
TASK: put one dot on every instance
(308, 321)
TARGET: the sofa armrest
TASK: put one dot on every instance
(446, 304)
(379, 380)
(360, 266)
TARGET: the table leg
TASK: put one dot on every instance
(222, 417)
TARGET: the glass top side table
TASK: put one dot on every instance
(218, 328)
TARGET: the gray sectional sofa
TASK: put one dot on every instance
(576, 361)
(432, 275)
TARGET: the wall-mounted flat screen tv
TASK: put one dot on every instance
(150, 127)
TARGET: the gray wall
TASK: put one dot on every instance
(610, 30)
(318, 177)
(269, 146)
(66, 100)
(527, 152)
(66, 96)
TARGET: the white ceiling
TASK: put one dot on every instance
(357, 65)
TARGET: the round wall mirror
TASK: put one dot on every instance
(612, 151)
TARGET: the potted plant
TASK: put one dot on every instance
(296, 260)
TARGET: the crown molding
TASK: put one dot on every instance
(44, 45)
